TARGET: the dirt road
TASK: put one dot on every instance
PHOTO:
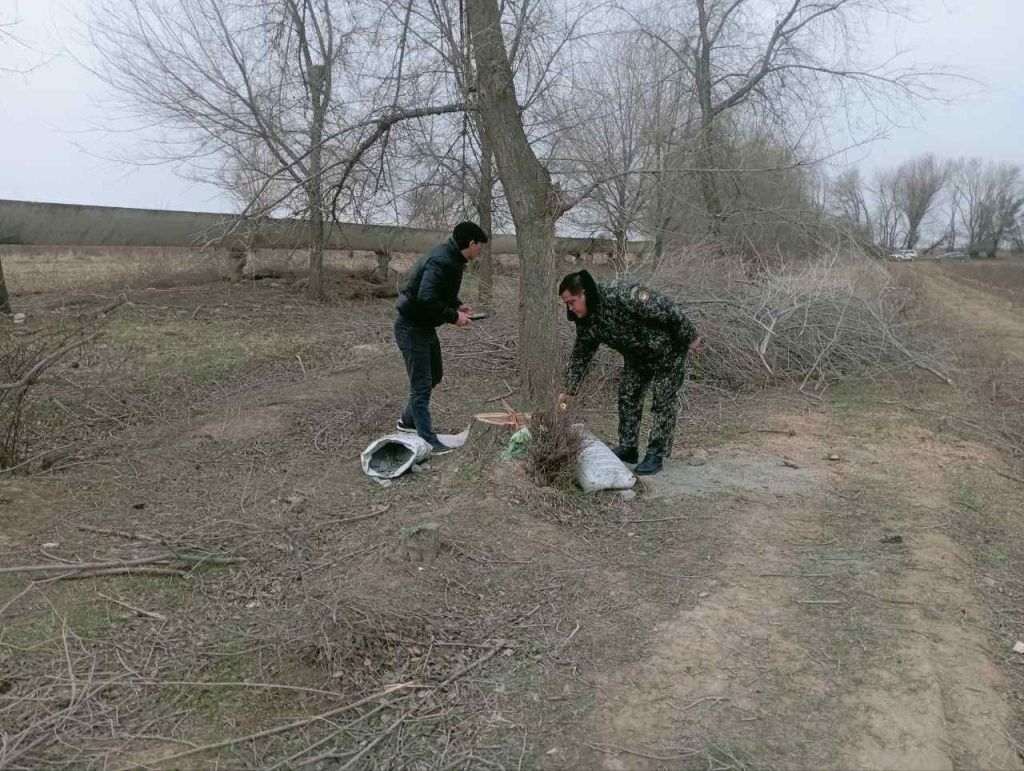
(979, 305)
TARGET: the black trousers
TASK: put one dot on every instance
(422, 353)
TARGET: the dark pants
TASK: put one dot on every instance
(422, 353)
(665, 385)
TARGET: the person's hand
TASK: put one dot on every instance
(695, 346)
(466, 308)
(463, 319)
(564, 400)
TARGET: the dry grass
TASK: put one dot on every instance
(67, 271)
(64, 271)
(290, 655)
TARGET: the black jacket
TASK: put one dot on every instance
(430, 297)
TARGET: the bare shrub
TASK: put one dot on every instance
(25, 356)
(554, 447)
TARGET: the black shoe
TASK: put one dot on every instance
(440, 448)
(651, 464)
(626, 454)
(406, 428)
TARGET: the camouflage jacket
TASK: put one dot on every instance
(648, 329)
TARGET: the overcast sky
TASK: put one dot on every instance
(53, 144)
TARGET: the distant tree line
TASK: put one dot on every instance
(926, 202)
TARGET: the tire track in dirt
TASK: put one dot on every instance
(983, 313)
(816, 645)
(940, 673)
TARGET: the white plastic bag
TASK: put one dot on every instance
(598, 468)
(392, 455)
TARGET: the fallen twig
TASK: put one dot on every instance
(614, 748)
(715, 699)
(122, 534)
(139, 611)
(819, 602)
(283, 728)
(561, 646)
(169, 558)
(372, 514)
(653, 519)
(236, 684)
(144, 570)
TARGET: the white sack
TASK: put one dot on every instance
(598, 468)
(392, 455)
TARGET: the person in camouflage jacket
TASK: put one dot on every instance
(653, 335)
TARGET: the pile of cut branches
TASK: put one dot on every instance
(810, 325)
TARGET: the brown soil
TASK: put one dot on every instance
(860, 616)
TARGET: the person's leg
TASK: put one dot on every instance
(415, 344)
(405, 422)
(436, 366)
(665, 407)
(632, 387)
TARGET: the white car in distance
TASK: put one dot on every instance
(904, 255)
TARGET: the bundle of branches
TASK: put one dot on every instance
(809, 325)
(25, 357)
(555, 445)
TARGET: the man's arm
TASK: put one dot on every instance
(654, 308)
(432, 294)
(583, 351)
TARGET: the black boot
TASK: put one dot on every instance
(651, 464)
(626, 454)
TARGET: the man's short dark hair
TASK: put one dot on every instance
(574, 283)
(465, 232)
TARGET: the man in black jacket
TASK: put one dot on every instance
(429, 299)
(653, 335)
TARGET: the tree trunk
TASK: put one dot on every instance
(708, 180)
(706, 145)
(538, 281)
(485, 262)
(383, 268)
(314, 183)
(532, 200)
(5, 303)
(620, 258)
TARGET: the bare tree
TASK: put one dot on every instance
(846, 199)
(5, 302)
(1017, 236)
(8, 38)
(781, 71)
(888, 220)
(610, 138)
(448, 32)
(918, 185)
(992, 199)
(223, 79)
